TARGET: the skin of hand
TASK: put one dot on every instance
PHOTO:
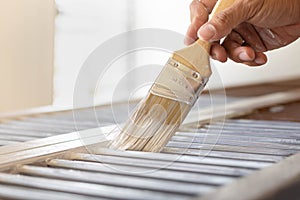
(249, 28)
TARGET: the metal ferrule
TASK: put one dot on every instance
(178, 82)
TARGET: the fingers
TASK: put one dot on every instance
(243, 45)
(247, 55)
(191, 34)
(241, 53)
(198, 15)
(249, 34)
(223, 22)
(218, 52)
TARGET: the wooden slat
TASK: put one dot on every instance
(80, 135)
(285, 125)
(182, 158)
(123, 181)
(83, 188)
(27, 193)
(234, 137)
(35, 150)
(156, 164)
(218, 147)
(164, 174)
(218, 139)
(223, 154)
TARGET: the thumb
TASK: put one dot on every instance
(222, 23)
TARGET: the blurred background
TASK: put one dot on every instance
(44, 43)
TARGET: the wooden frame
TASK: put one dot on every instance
(265, 184)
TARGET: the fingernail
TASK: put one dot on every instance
(243, 56)
(207, 32)
(259, 61)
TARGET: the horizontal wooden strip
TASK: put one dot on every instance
(27, 193)
(41, 134)
(245, 132)
(80, 135)
(6, 142)
(117, 180)
(164, 174)
(242, 128)
(31, 128)
(241, 136)
(243, 143)
(217, 147)
(155, 164)
(182, 158)
(38, 125)
(35, 150)
(18, 138)
(83, 188)
(264, 123)
(46, 119)
(223, 154)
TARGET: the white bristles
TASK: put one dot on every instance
(152, 125)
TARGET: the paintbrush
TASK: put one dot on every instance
(170, 98)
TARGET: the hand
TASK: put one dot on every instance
(250, 27)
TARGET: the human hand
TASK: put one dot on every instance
(250, 27)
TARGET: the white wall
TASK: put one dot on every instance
(81, 26)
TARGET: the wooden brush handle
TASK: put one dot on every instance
(196, 56)
(220, 6)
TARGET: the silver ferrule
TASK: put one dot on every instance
(178, 82)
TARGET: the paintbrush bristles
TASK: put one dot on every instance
(157, 118)
(152, 125)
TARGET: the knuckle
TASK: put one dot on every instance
(222, 18)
